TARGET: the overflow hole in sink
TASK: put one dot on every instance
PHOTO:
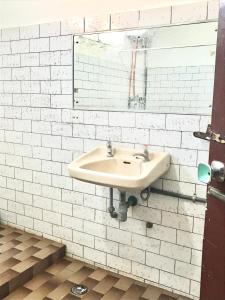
(127, 162)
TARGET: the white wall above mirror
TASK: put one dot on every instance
(166, 69)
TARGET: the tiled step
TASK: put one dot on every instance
(23, 256)
(55, 283)
(33, 268)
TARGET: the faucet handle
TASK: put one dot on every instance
(146, 151)
(109, 149)
(146, 147)
(109, 143)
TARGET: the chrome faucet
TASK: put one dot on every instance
(109, 149)
(145, 154)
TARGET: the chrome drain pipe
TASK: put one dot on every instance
(121, 215)
(111, 208)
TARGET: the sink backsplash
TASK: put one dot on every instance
(40, 133)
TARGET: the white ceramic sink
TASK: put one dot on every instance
(123, 171)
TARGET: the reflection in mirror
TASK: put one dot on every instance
(166, 69)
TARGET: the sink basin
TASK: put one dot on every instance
(124, 170)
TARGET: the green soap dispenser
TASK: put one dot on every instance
(204, 173)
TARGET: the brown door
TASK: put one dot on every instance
(213, 264)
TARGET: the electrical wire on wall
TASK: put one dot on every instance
(132, 77)
(134, 100)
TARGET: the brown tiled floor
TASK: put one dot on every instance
(22, 256)
(56, 282)
(30, 268)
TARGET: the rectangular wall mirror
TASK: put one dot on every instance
(166, 69)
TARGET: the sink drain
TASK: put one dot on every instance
(79, 289)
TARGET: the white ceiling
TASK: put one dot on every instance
(26, 12)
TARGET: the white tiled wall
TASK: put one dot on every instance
(105, 84)
(100, 83)
(40, 134)
(183, 89)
